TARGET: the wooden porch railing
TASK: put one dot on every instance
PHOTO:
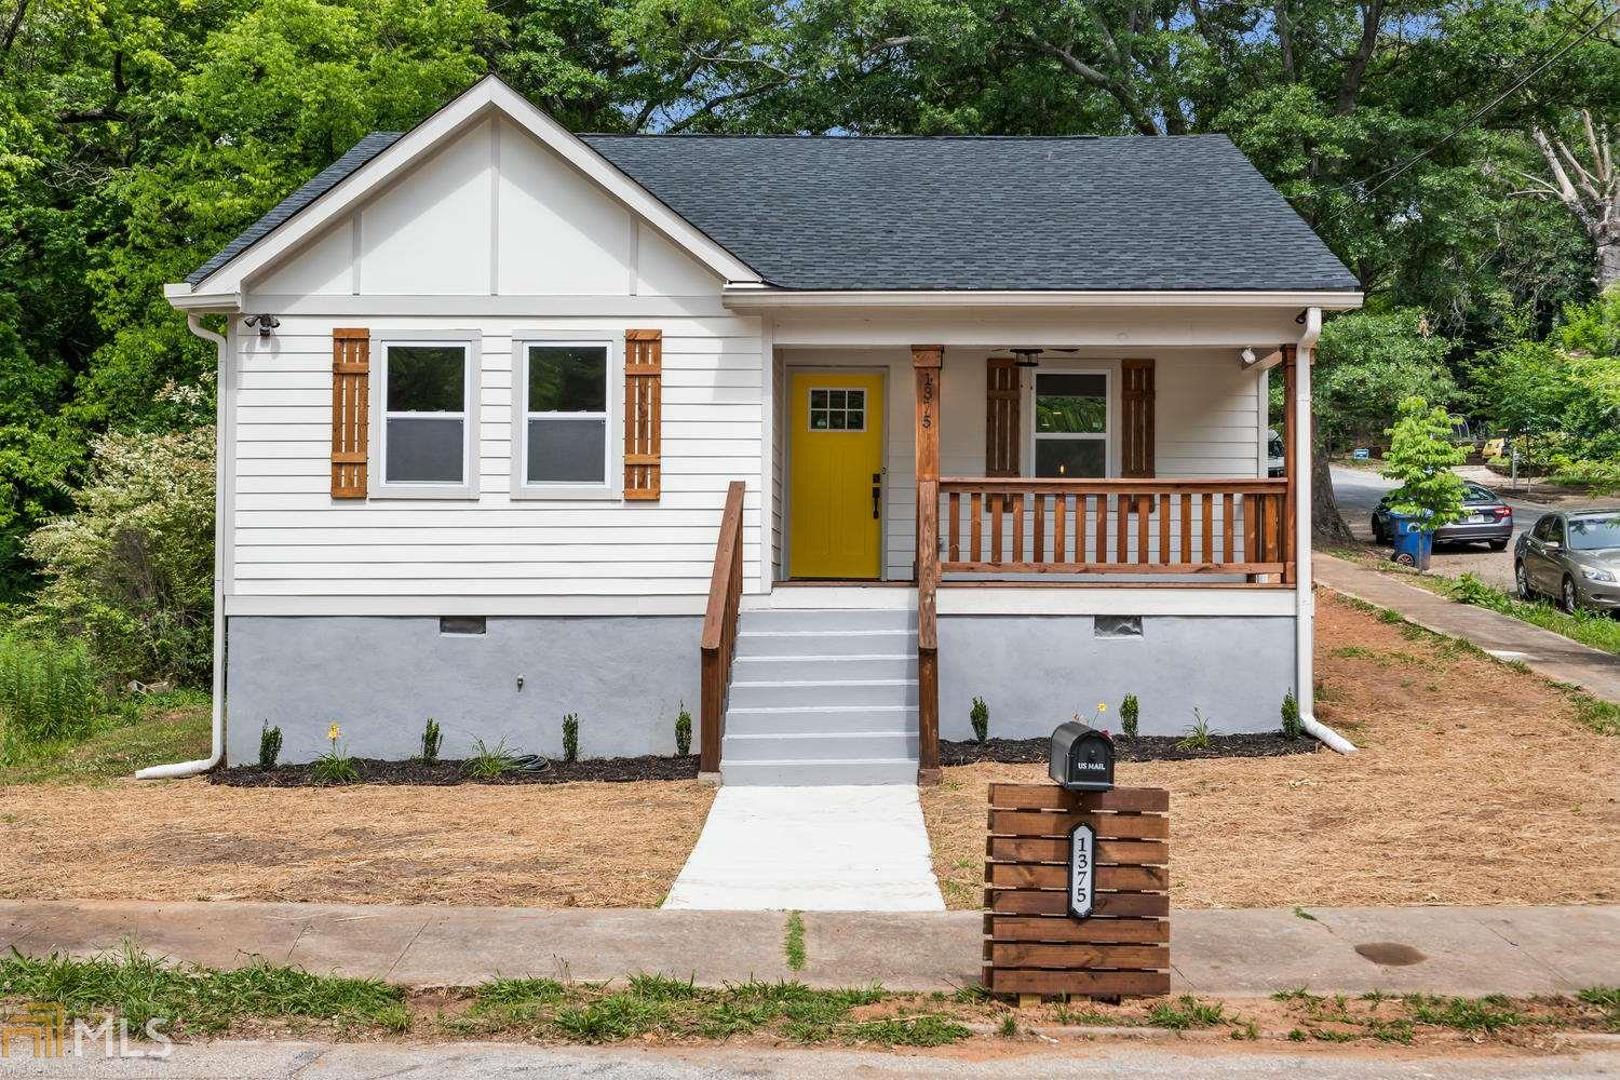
(1020, 526)
(720, 629)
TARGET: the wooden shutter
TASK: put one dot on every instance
(351, 410)
(643, 413)
(1001, 427)
(1137, 437)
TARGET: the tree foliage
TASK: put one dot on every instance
(1420, 457)
(137, 137)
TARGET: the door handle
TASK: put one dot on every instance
(877, 496)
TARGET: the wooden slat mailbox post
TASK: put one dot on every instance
(1032, 944)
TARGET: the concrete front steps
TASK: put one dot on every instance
(822, 696)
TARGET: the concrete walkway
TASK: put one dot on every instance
(1470, 951)
(823, 848)
(1547, 653)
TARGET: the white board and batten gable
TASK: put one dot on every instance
(495, 233)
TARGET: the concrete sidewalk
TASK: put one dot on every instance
(1470, 951)
(1546, 653)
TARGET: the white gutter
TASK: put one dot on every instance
(1305, 601)
(217, 753)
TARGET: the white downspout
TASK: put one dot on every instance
(1299, 429)
(217, 752)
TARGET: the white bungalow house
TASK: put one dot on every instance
(820, 437)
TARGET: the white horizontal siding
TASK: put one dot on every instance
(289, 538)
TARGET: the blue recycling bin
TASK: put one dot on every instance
(1414, 542)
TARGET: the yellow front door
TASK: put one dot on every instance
(837, 475)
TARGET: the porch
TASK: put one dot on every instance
(1077, 473)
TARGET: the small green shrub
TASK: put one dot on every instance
(50, 693)
(980, 718)
(1129, 711)
(1292, 726)
(683, 731)
(571, 737)
(269, 745)
(335, 766)
(490, 762)
(1198, 735)
(432, 742)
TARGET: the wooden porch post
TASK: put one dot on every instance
(1290, 363)
(925, 360)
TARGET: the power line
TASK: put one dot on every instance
(1399, 170)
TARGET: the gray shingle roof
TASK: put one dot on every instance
(318, 185)
(1147, 213)
(1133, 213)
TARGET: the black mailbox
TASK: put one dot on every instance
(1082, 758)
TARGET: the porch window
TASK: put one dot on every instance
(427, 388)
(1071, 424)
(837, 410)
(565, 414)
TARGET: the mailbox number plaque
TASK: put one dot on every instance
(1082, 871)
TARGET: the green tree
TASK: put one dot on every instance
(1367, 364)
(1421, 456)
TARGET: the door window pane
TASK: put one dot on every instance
(838, 410)
(424, 449)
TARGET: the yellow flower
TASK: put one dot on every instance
(333, 732)
(1102, 706)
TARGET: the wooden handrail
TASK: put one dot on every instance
(719, 641)
(1189, 526)
(927, 630)
(1114, 485)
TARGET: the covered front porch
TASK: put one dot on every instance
(1033, 497)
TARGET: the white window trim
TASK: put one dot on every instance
(378, 487)
(613, 485)
(1107, 438)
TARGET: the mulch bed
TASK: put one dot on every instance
(444, 773)
(1141, 748)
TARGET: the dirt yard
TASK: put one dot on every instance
(1475, 785)
(584, 845)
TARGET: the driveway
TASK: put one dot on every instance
(1358, 492)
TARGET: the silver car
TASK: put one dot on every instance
(1572, 556)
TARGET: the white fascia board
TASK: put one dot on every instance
(490, 94)
(755, 297)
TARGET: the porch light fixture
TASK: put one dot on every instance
(265, 323)
(1030, 358)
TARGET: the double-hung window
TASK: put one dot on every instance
(1071, 423)
(563, 417)
(428, 399)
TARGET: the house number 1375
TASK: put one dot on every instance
(1082, 870)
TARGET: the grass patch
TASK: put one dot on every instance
(1186, 1012)
(198, 1000)
(51, 696)
(1597, 629)
(1488, 1014)
(1605, 999)
(163, 728)
(793, 944)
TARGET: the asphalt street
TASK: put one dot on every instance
(1358, 492)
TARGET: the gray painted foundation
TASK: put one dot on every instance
(1036, 671)
(382, 677)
